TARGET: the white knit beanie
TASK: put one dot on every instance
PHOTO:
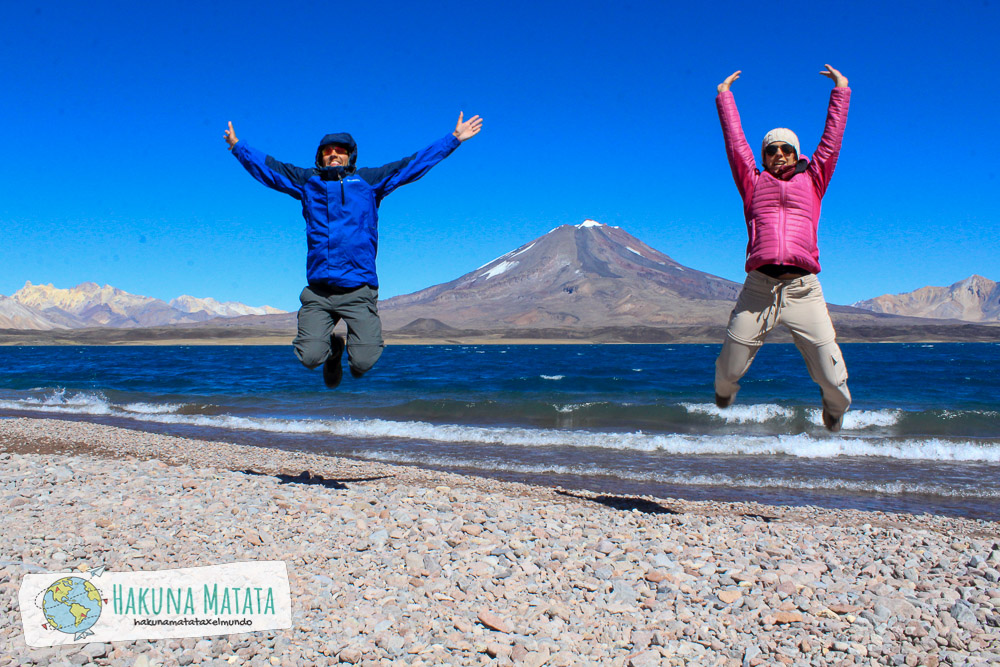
(781, 135)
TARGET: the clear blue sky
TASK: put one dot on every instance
(114, 168)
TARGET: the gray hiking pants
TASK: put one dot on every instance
(798, 305)
(322, 309)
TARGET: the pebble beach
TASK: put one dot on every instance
(392, 565)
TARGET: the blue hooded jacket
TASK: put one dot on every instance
(340, 205)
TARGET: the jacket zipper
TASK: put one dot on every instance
(342, 200)
(781, 223)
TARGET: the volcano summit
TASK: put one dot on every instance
(586, 275)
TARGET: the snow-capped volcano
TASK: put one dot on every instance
(588, 274)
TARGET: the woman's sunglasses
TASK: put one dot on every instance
(772, 149)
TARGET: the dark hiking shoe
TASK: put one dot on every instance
(333, 367)
(832, 424)
(724, 401)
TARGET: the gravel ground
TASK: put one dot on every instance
(391, 565)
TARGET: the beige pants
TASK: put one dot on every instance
(799, 306)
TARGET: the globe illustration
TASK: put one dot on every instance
(72, 605)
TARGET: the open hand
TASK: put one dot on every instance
(725, 85)
(468, 129)
(838, 79)
(230, 136)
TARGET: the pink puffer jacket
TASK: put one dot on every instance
(782, 214)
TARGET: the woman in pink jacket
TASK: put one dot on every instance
(782, 205)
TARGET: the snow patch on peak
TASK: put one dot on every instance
(502, 267)
(590, 223)
(526, 249)
(191, 304)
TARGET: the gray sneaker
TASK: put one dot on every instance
(333, 367)
(831, 424)
(724, 401)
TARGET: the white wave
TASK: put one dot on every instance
(765, 412)
(802, 445)
(742, 414)
(957, 414)
(799, 445)
(684, 479)
(152, 408)
(85, 403)
(58, 401)
(572, 407)
(552, 377)
(855, 420)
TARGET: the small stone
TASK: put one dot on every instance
(655, 576)
(730, 597)
(351, 656)
(493, 622)
(495, 649)
(962, 612)
(783, 617)
(96, 650)
(645, 659)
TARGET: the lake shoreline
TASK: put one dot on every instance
(403, 564)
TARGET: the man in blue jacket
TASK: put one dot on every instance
(340, 205)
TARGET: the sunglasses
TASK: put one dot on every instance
(331, 150)
(773, 149)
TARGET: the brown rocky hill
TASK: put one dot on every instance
(587, 275)
(975, 299)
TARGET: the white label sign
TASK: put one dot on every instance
(99, 606)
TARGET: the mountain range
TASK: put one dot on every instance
(42, 307)
(975, 299)
(592, 276)
(589, 281)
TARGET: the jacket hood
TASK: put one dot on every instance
(344, 139)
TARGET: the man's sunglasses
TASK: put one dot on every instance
(330, 150)
(772, 149)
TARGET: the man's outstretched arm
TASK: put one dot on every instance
(272, 173)
(230, 136)
(468, 129)
(387, 178)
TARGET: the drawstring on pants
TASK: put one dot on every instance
(777, 303)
